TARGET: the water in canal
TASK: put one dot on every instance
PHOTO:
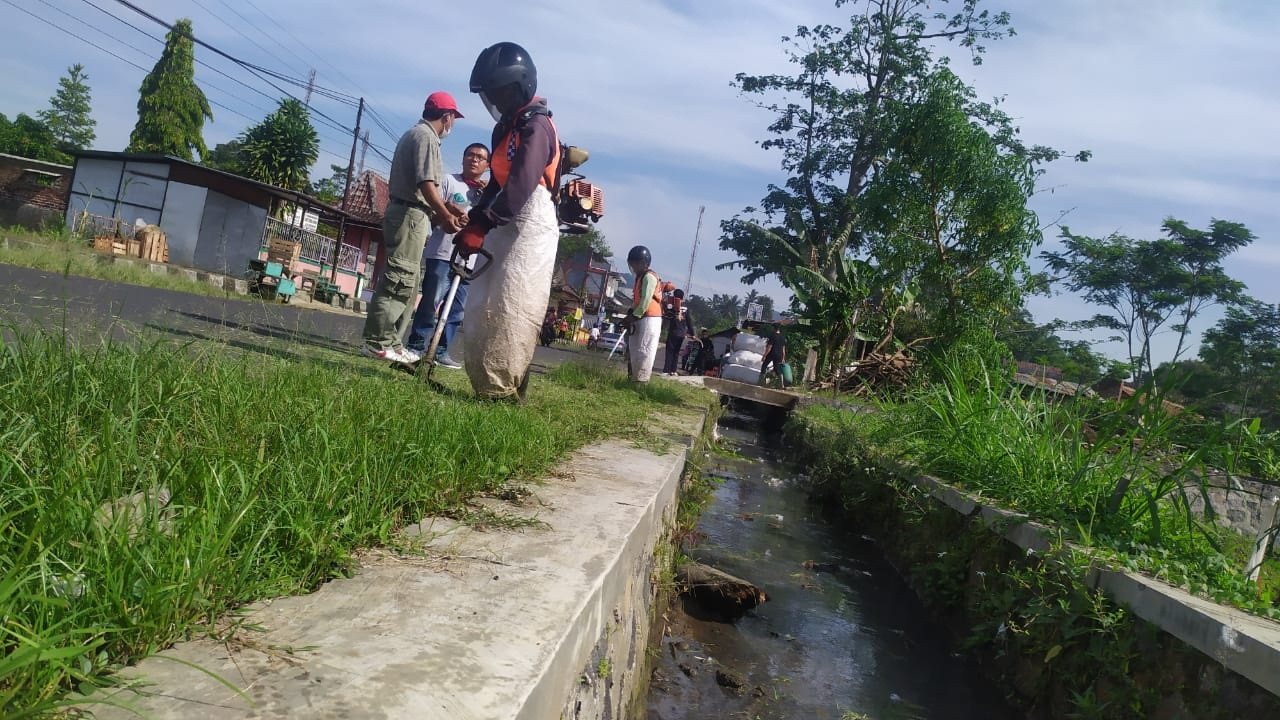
(840, 637)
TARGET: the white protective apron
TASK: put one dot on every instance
(506, 304)
(643, 346)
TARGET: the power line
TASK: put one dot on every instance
(143, 69)
(238, 31)
(313, 53)
(255, 69)
(112, 54)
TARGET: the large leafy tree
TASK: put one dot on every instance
(69, 115)
(888, 154)
(1150, 285)
(832, 122)
(28, 137)
(281, 149)
(171, 107)
(947, 210)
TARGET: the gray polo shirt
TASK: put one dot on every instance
(417, 160)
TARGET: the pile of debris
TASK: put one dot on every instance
(876, 372)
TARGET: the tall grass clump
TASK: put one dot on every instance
(1110, 475)
(147, 490)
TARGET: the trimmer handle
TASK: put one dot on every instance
(458, 264)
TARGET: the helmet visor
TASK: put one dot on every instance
(490, 106)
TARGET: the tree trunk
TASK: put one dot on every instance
(718, 591)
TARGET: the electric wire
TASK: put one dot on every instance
(236, 29)
(258, 72)
(143, 69)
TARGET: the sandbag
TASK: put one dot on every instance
(746, 357)
(747, 341)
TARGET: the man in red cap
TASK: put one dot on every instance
(416, 204)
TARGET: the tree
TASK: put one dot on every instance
(28, 137)
(281, 149)
(171, 107)
(332, 188)
(68, 116)
(869, 114)
(225, 157)
(574, 245)
(832, 122)
(947, 210)
(1041, 344)
(1245, 347)
(1148, 283)
(714, 313)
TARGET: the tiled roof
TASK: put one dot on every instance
(369, 196)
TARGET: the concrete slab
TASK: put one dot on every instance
(754, 393)
(1245, 644)
(480, 625)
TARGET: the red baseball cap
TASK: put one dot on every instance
(441, 101)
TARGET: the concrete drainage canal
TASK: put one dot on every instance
(839, 636)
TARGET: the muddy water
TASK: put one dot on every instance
(840, 637)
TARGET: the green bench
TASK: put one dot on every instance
(330, 293)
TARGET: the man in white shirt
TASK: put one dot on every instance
(462, 190)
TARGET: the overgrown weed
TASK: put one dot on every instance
(277, 472)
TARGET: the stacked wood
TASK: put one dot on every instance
(153, 244)
(285, 252)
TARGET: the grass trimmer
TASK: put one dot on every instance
(458, 271)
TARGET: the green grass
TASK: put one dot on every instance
(55, 252)
(1108, 477)
(279, 470)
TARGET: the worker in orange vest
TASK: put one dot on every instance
(644, 321)
(515, 220)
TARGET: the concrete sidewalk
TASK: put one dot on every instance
(540, 624)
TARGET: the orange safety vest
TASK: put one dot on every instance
(505, 151)
(654, 308)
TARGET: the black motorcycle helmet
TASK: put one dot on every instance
(638, 259)
(505, 78)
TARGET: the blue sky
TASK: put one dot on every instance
(1177, 99)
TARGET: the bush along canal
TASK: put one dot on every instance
(840, 635)
(1062, 632)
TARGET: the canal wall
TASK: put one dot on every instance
(1069, 635)
(461, 623)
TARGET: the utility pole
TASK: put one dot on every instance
(688, 281)
(364, 150)
(311, 83)
(346, 196)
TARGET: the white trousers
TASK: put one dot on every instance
(643, 346)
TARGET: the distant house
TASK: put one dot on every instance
(214, 220)
(32, 192)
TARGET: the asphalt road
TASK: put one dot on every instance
(90, 310)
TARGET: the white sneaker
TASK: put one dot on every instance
(413, 355)
(395, 355)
